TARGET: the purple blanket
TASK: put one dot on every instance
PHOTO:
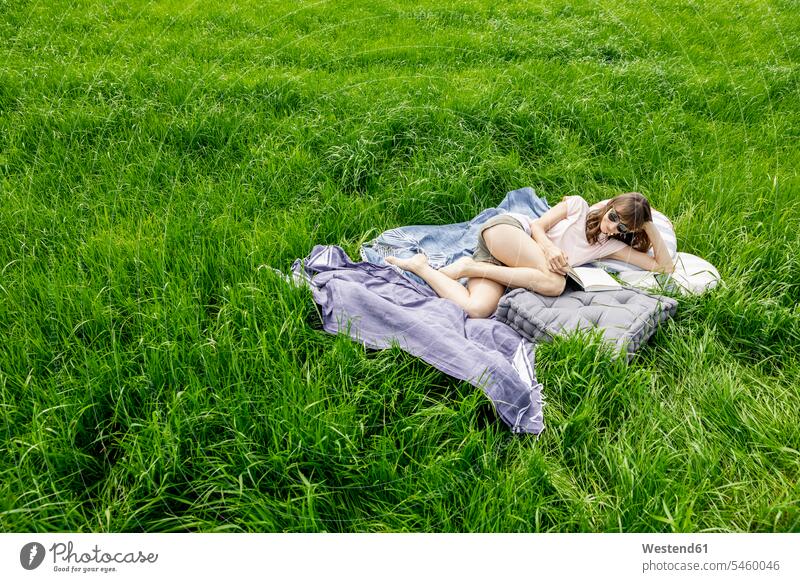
(383, 307)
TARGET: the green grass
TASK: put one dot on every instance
(154, 378)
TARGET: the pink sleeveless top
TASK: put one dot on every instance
(570, 235)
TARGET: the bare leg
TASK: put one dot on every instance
(527, 266)
(528, 277)
(478, 299)
(441, 283)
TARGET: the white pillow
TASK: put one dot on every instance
(667, 231)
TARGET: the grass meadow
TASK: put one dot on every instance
(155, 156)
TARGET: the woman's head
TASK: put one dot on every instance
(623, 218)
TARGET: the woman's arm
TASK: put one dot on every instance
(662, 262)
(540, 226)
(660, 250)
(557, 260)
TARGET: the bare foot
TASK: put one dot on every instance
(458, 269)
(414, 264)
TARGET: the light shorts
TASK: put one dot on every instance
(482, 253)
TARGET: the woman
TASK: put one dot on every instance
(514, 251)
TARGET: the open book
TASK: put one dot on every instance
(593, 279)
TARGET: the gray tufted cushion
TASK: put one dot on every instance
(627, 317)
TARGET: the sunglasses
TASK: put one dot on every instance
(614, 217)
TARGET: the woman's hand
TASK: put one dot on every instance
(556, 259)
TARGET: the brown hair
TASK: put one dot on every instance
(634, 211)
